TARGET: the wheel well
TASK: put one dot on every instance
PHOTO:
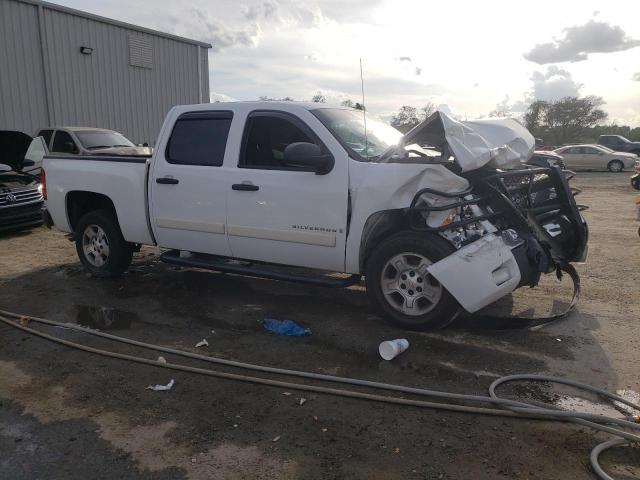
(379, 226)
(80, 203)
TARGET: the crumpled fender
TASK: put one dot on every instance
(377, 187)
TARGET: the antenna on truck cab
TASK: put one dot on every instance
(364, 114)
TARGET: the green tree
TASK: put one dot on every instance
(427, 110)
(319, 97)
(264, 98)
(533, 116)
(566, 120)
(351, 104)
(405, 119)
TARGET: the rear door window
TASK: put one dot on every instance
(199, 138)
(63, 143)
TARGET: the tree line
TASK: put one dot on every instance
(573, 120)
(563, 121)
(319, 97)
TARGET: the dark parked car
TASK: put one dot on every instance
(619, 143)
(546, 159)
(20, 192)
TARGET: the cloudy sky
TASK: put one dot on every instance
(467, 56)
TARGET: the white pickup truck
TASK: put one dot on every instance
(447, 216)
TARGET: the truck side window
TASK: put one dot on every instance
(265, 138)
(199, 138)
(46, 136)
(63, 143)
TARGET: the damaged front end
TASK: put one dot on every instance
(515, 221)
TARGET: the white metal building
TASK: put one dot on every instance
(60, 66)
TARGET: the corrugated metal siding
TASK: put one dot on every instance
(22, 96)
(102, 89)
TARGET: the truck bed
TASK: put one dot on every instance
(123, 179)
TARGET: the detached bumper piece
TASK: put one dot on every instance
(479, 273)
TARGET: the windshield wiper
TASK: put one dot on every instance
(93, 147)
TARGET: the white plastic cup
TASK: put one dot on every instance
(392, 348)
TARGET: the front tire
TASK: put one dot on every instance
(615, 166)
(101, 247)
(401, 287)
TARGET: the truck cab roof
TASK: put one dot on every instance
(287, 106)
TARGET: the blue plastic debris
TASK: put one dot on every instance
(288, 328)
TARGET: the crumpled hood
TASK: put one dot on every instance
(498, 142)
(13, 148)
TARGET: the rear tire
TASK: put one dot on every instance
(399, 285)
(101, 247)
(615, 166)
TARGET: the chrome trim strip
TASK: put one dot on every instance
(191, 226)
(281, 235)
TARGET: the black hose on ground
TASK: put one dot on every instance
(512, 408)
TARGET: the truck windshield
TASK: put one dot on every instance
(92, 139)
(348, 127)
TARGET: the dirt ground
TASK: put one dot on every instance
(65, 414)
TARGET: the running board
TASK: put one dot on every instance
(220, 264)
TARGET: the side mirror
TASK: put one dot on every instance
(5, 168)
(28, 163)
(308, 155)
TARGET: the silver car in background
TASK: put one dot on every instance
(595, 157)
(89, 141)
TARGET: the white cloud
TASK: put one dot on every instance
(220, 97)
(202, 24)
(280, 48)
(554, 84)
(581, 40)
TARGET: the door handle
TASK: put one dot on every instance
(245, 187)
(167, 181)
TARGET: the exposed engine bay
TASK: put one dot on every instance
(513, 223)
